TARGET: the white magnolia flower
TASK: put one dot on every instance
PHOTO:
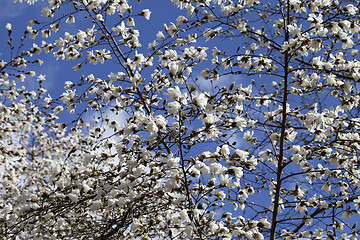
(204, 73)
(135, 225)
(184, 216)
(99, 17)
(146, 13)
(326, 187)
(8, 27)
(296, 158)
(216, 168)
(346, 215)
(174, 108)
(130, 22)
(160, 35)
(172, 162)
(221, 195)
(173, 68)
(121, 29)
(173, 93)
(46, 12)
(161, 121)
(201, 100)
(241, 154)
(71, 19)
(225, 150)
(74, 195)
(352, 10)
(308, 220)
(210, 119)
(240, 122)
(347, 88)
(96, 205)
(238, 172)
(152, 127)
(324, 204)
(225, 180)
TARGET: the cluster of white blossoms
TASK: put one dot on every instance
(260, 141)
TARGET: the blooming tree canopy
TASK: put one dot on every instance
(238, 121)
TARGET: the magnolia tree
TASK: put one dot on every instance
(238, 121)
